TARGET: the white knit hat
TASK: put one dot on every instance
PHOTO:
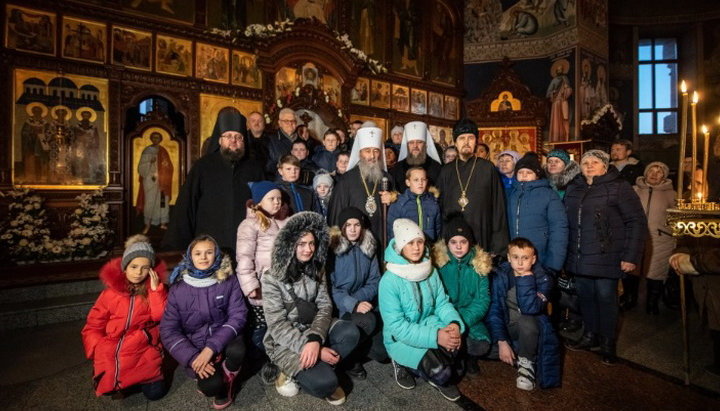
(405, 231)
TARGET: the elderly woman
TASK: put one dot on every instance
(607, 233)
(656, 195)
(560, 170)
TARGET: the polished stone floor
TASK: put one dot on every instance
(44, 368)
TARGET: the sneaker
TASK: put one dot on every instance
(285, 386)
(337, 397)
(357, 371)
(220, 403)
(450, 392)
(403, 377)
(526, 374)
(269, 373)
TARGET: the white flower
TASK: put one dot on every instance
(23, 242)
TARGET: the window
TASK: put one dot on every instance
(657, 86)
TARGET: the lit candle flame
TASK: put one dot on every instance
(683, 87)
(696, 97)
(704, 129)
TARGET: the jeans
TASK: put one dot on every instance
(320, 380)
(598, 304)
(370, 326)
(155, 390)
(214, 385)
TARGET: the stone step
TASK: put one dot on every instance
(33, 313)
(45, 291)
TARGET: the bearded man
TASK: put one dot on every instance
(471, 185)
(417, 149)
(212, 200)
(361, 185)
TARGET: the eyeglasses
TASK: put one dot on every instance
(233, 138)
(288, 121)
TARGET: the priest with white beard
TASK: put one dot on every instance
(362, 185)
(417, 149)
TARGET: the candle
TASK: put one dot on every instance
(683, 136)
(693, 104)
(704, 186)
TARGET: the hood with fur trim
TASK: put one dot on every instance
(481, 262)
(341, 245)
(112, 275)
(284, 246)
(562, 179)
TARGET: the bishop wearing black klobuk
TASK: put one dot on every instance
(212, 200)
(472, 186)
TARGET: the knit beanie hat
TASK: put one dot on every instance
(561, 154)
(260, 189)
(352, 212)
(405, 231)
(137, 246)
(465, 126)
(601, 155)
(322, 178)
(512, 153)
(531, 161)
(456, 225)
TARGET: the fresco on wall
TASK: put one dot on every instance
(559, 93)
(59, 131)
(407, 32)
(30, 30)
(368, 31)
(132, 48)
(444, 48)
(516, 28)
(173, 56)
(244, 70)
(594, 14)
(592, 90)
(84, 40)
(183, 11)
(210, 106)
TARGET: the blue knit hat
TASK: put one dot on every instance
(561, 154)
(260, 188)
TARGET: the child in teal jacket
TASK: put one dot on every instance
(422, 330)
(464, 269)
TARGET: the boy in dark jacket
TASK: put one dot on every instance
(517, 319)
(299, 197)
(325, 156)
(416, 204)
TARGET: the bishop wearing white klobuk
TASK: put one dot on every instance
(427, 157)
(360, 186)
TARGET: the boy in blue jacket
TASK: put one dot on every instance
(518, 321)
(418, 205)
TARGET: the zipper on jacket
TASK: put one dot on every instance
(517, 212)
(117, 349)
(579, 222)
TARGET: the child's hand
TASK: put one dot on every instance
(454, 329)
(506, 352)
(447, 340)
(309, 354)
(385, 197)
(329, 356)
(364, 307)
(154, 280)
(202, 360)
(207, 372)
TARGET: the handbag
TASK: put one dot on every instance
(306, 309)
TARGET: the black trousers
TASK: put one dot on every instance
(214, 385)
(598, 304)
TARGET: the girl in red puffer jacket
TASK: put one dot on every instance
(121, 335)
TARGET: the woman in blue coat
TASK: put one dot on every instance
(607, 233)
(536, 212)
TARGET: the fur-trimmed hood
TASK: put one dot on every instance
(284, 246)
(341, 245)
(562, 179)
(113, 276)
(481, 261)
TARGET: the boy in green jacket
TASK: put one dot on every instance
(464, 268)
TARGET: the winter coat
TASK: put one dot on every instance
(412, 311)
(203, 313)
(660, 242)
(507, 183)
(528, 290)
(254, 250)
(560, 181)
(406, 207)
(432, 169)
(632, 170)
(278, 144)
(286, 335)
(607, 225)
(307, 196)
(325, 159)
(467, 285)
(355, 276)
(535, 212)
(121, 336)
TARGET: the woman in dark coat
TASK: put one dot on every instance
(607, 232)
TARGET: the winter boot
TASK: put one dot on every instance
(588, 341)
(607, 350)
(654, 292)
(471, 365)
(628, 300)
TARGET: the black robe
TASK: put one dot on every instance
(350, 191)
(212, 201)
(398, 171)
(485, 213)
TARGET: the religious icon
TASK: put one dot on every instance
(407, 30)
(331, 87)
(173, 56)
(369, 31)
(59, 131)
(444, 46)
(380, 94)
(286, 81)
(310, 75)
(361, 92)
(435, 108)
(320, 10)
(418, 101)
(451, 108)
(559, 91)
(132, 48)
(520, 139)
(505, 102)
(400, 98)
(211, 105)
(30, 30)
(84, 40)
(245, 71)
(212, 63)
(183, 11)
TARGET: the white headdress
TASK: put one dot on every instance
(367, 137)
(417, 130)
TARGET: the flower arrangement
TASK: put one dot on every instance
(89, 233)
(374, 65)
(604, 125)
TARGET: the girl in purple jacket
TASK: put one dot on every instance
(204, 319)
